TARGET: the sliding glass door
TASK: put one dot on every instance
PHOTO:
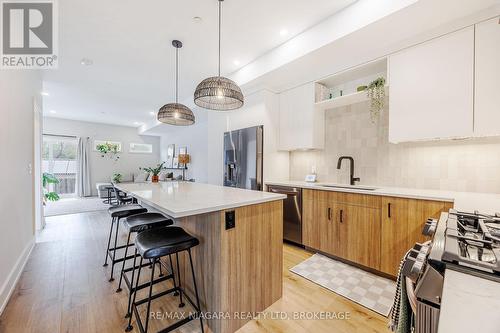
(59, 157)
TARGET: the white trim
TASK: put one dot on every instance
(11, 282)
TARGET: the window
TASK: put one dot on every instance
(59, 157)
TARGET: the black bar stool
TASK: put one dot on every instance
(117, 213)
(154, 244)
(122, 199)
(136, 224)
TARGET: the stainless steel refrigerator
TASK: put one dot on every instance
(243, 158)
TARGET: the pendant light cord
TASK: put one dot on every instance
(220, 14)
(177, 75)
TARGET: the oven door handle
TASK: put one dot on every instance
(290, 193)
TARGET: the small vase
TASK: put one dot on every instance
(154, 179)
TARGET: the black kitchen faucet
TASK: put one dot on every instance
(339, 164)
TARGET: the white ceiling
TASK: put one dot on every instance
(129, 43)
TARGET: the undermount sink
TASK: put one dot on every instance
(350, 187)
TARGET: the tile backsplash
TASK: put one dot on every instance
(471, 165)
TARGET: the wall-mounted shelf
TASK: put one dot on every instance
(354, 98)
(185, 168)
(345, 83)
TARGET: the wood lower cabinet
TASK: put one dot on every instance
(373, 231)
(360, 234)
(402, 223)
(318, 228)
(333, 225)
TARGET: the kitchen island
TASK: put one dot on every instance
(240, 258)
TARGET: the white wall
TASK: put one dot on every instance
(18, 90)
(195, 139)
(37, 166)
(261, 108)
(103, 168)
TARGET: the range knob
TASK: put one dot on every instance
(430, 227)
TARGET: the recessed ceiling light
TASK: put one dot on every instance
(236, 62)
(197, 19)
(283, 32)
(137, 123)
(43, 93)
(52, 111)
(86, 62)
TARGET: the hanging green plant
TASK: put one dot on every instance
(376, 93)
(109, 149)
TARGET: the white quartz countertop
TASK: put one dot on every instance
(180, 199)
(487, 203)
(469, 304)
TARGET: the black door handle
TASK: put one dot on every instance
(329, 214)
(389, 210)
(341, 216)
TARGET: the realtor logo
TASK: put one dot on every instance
(29, 34)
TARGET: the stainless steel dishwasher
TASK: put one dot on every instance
(292, 212)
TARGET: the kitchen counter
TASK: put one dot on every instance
(469, 303)
(179, 199)
(241, 244)
(488, 203)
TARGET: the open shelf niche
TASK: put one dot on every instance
(328, 91)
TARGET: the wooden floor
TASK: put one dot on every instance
(64, 288)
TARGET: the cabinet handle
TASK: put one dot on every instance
(329, 214)
(341, 216)
(389, 210)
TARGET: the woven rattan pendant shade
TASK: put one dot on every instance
(176, 113)
(217, 92)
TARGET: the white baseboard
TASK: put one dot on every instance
(10, 284)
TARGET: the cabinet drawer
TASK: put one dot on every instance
(355, 199)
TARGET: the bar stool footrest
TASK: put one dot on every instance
(145, 284)
(157, 295)
(114, 261)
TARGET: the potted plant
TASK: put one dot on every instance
(154, 171)
(117, 177)
(48, 178)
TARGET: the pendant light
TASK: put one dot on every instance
(218, 92)
(176, 113)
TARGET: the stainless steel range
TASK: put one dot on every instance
(470, 243)
(478, 241)
(464, 242)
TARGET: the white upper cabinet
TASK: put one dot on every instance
(432, 88)
(301, 125)
(487, 75)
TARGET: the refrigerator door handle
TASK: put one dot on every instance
(260, 151)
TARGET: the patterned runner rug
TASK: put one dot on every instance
(372, 291)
